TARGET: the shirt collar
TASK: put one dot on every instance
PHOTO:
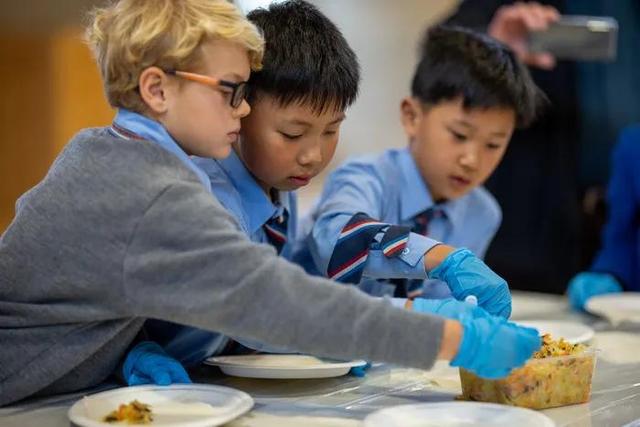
(418, 198)
(257, 206)
(153, 131)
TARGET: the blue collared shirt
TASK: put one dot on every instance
(238, 191)
(389, 187)
(153, 131)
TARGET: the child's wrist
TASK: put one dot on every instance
(434, 256)
(451, 339)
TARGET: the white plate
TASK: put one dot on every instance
(572, 332)
(281, 366)
(534, 305)
(171, 406)
(621, 307)
(457, 414)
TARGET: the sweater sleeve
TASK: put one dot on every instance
(186, 263)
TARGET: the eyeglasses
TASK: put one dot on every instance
(239, 90)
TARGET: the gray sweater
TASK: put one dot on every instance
(121, 231)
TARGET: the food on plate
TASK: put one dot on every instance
(134, 412)
(559, 374)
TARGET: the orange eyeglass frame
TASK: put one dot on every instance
(239, 90)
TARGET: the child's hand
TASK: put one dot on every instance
(448, 307)
(491, 347)
(360, 371)
(148, 363)
(586, 285)
(466, 274)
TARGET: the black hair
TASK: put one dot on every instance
(307, 59)
(457, 62)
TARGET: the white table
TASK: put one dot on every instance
(345, 401)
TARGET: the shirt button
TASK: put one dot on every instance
(406, 251)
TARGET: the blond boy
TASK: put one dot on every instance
(124, 228)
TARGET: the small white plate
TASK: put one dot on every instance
(618, 308)
(572, 332)
(457, 414)
(178, 405)
(282, 366)
(535, 305)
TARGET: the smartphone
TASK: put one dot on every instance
(577, 37)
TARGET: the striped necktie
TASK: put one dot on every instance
(356, 239)
(276, 230)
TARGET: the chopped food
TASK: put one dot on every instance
(134, 412)
(559, 374)
(551, 348)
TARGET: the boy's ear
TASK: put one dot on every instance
(410, 115)
(152, 85)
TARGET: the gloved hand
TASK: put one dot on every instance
(466, 274)
(448, 307)
(586, 285)
(148, 363)
(491, 347)
(360, 371)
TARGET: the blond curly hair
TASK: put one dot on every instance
(129, 36)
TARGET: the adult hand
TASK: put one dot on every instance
(512, 25)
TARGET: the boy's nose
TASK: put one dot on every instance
(312, 155)
(243, 110)
(469, 159)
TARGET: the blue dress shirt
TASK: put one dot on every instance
(238, 191)
(389, 188)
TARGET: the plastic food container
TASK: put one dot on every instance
(539, 384)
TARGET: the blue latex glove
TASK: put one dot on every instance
(491, 347)
(148, 363)
(448, 307)
(586, 285)
(360, 371)
(466, 274)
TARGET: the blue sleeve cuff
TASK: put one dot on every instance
(417, 246)
(408, 265)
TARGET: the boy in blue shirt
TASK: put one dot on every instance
(309, 77)
(289, 137)
(617, 266)
(124, 228)
(469, 92)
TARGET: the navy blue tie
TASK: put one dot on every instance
(356, 239)
(276, 230)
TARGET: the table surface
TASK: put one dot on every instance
(345, 401)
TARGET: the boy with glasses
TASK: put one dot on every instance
(124, 228)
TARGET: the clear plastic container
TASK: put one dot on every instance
(539, 384)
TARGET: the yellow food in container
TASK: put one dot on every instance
(559, 374)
